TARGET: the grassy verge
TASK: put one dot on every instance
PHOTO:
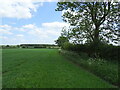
(104, 69)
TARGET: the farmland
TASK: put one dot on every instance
(45, 68)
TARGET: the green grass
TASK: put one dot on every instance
(107, 70)
(45, 68)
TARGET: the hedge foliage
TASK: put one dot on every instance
(103, 51)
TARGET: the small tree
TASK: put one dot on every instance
(61, 40)
(7, 46)
(18, 46)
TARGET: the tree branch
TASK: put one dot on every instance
(105, 13)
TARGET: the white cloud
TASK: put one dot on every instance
(47, 29)
(29, 26)
(55, 24)
(20, 35)
(54, 28)
(5, 29)
(47, 33)
(3, 37)
(18, 8)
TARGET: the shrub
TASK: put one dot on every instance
(68, 46)
(108, 52)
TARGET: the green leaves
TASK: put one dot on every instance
(61, 40)
(91, 19)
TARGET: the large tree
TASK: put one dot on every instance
(93, 21)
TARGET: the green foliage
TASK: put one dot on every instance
(91, 21)
(105, 51)
(67, 46)
(32, 46)
(107, 70)
(61, 40)
(109, 52)
(10, 46)
(44, 68)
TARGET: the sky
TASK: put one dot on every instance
(29, 21)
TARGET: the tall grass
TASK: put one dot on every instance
(105, 69)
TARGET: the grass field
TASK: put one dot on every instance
(44, 68)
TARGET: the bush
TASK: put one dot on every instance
(68, 46)
(74, 47)
(108, 52)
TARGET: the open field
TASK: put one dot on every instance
(45, 68)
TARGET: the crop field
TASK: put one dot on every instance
(44, 68)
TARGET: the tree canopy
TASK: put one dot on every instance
(91, 21)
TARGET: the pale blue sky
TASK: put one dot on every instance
(30, 22)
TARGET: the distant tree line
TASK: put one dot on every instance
(38, 46)
(10, 46)
(30, 46)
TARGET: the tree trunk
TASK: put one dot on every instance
(96, 41)
(96, 36)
